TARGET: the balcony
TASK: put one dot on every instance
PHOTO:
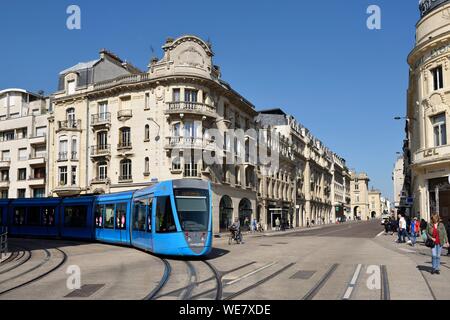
(430, 156)
(126, 179)
(74, 156)
(37, 159)
(194, 108)
(37, 140)
(5, 163)
(189, 143)
(101, 180)
(101, 151)
(67, 190)
(124, 146)
(36, 181)
(63, 156)
(70, 125)
(124, 115)
(4, 183)
(101, 121)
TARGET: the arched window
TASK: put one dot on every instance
(147, 165)
(125, 170)
(176, 164)
(125, 138)
(147, 132)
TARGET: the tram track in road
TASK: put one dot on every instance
(37, 277)
(321, 283)
(18, 257)
(167, 272)
(422, 272)
(385, 291)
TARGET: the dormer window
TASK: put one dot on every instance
(71, 87)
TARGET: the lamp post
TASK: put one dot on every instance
(159, 128)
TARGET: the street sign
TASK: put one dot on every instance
(409, 200)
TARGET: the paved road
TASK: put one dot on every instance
(350, 261)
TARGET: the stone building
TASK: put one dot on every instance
(375, 204)
(115, 128)
(23, 144)
(428, 113)
(359, 189)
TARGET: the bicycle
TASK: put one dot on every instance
(235, 237)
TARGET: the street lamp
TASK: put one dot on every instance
(159, 128)
(404, 118)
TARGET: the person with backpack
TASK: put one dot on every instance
(414, 231)
(437, 239)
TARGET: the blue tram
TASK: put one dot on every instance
(169, 218)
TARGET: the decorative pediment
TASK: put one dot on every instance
(191, 57)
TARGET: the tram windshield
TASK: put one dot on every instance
(192, 208)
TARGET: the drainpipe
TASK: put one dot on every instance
(87, 143)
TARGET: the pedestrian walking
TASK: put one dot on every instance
(438, 234)
(307, 223)
(448, 233)
(277, 224)
(254, 226)
(401, 229)
(414, 231)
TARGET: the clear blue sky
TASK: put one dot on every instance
(315, 59)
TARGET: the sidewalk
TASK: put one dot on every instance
(272, 233)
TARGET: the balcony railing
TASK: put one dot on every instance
(124, 145)
(101, 119)
(63, 156)
(101, 150)
(125, 178)
(69, 125)
(189, 142)
(74, 156)
(99, 180)
(192, 107)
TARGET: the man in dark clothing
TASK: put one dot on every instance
(448, 230)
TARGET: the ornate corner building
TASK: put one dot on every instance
(426, 147)
(111, 127)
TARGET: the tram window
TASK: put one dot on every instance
(109, 216)
(149, 216)
(99, 216)
(34, 216)
(165, 222)
(140, 210)
(121, 216)
(1, 216)
(75, 217)
(48, 216)
(19, 216)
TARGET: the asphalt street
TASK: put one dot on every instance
(354, 261)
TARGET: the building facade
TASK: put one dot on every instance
(375, 204)
(359, 189)
(428, 113)
(129, 129)
(398, 179)
(23, 144)
(111, 127)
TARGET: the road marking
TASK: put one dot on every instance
(251, 273)
(351, 287)
(406, 250)
(380, 234)
(348, 293)
(356, 275)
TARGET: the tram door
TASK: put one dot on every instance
(141, 231)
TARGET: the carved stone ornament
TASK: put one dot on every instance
(159, 93)
(191, 57)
